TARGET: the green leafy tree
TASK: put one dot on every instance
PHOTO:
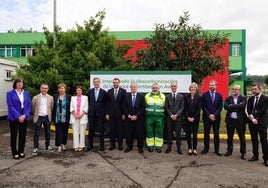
(266, 80)
(179, 46)
(76, 53)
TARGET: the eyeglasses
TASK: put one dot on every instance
(155, 87)
(173, 86)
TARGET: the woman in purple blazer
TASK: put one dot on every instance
(19, 108)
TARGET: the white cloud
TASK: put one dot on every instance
(142, 15)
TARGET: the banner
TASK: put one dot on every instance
(144, 79)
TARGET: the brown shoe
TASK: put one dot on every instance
(228, 153)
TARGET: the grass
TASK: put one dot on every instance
(222, 126)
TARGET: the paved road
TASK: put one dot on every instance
(118, 169)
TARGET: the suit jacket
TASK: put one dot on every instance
(192, 107)
(14, 105)
(68, 102)
(239, 108)
(211, 108)
(176, 108)
(115, 106)
(97, 108)
(261, 114)
(83, 107)
(137, 109)
(36, 105)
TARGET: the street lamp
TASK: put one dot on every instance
(54, 23)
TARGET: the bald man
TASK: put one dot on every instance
(236, 120)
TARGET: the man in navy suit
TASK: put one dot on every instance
(134, 113)
(96, 113)
(257, 114)
(115, 114)
(212, 106)
(236, 119)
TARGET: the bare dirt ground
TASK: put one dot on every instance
(118, 169)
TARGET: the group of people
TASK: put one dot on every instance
(132, 113)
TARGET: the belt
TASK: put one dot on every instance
(43, 116)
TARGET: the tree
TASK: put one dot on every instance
(76, 53)
(266, 80)
(21, 30)
(179, 46)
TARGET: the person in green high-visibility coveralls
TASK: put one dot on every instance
(155, 113)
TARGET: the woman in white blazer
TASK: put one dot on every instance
(78, 119)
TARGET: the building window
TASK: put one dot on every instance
(2, 51)
(236, 49)
(9, 74)
(26, 51)
(8, 51)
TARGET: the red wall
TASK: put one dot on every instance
(221, 78)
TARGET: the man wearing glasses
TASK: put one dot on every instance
(154, 112)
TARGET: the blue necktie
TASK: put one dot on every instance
(212, 96)
(133, 100)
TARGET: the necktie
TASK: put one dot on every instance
(174, 97)
(96, 94)
(212, 96)
(255, 105)
(115, 93)
(133, 100)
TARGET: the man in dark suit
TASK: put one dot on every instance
(236, 119)
(96, 113)
(174, 109)
(115, 114)
(212, 106)
(257, 114)
(134, 113)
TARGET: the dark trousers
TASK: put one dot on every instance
(260, 130)
(171, 127)
(116, 129)
(96, 122)
(191, 129)
(37, 127)
(61, 133)
(16, 127)
(240, 129)
(134, 127)
(215, 127)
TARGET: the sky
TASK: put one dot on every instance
(142, 15)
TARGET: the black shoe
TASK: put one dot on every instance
(150, 149)
(158, 150)
(111, 148)
(179, 151)
(204, 151)
(120, 148)
(228, 153)
(266, 163)
(127, 150)
(243, 156)
(22, 155)
(254, 158)
(168, 150)
(17, 157)
(101, 148)
(89, 148)
(140, 150)
(218, 153)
